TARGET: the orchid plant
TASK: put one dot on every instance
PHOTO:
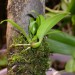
(41, 28)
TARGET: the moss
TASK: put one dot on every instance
(32, 61)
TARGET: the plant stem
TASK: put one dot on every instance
(54, 11)
(34, 38)
(27, 37)
(35, 45)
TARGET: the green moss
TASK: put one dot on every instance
(32, 61)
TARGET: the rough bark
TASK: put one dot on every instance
(18, 11)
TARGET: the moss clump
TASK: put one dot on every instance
(32, 61)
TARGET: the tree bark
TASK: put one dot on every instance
(18, 11)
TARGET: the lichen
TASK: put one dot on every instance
(17, 6)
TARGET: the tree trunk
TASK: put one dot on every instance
(18, 11)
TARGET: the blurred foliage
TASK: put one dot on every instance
(69, 5)
(68, 23)
(3, 61)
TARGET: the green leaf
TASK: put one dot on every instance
(48, 24)
(71, 7)
(32, 27)
(61, 43)
(70, 66)
(73, 54)
(63, 37)
(40, 19)
(73, 19)
(17, 27)
(53, 31)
